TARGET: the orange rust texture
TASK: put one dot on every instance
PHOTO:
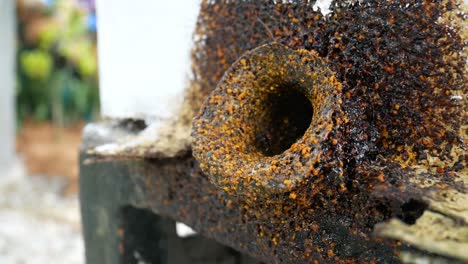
(239, 109)
(387, 72)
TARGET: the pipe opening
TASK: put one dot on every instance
(288, 113)
(271, 111)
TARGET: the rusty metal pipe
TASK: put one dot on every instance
(263, 128)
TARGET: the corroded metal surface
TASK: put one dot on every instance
(177, 188)
(385, 87)
(394, 111)
(253, 154)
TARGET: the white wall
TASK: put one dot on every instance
(7, 83)
(144, 55)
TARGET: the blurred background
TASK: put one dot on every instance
(49, 92)
(57, 82)
(56, 93)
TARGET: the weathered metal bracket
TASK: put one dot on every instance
(174, 188)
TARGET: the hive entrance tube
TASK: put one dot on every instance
(264, 127)
(288, 115)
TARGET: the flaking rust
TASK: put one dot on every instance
(320, 127)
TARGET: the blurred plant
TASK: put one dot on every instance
(57, 62)
(36, 64)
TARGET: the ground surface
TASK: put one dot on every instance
(38, 224)
(39, 215)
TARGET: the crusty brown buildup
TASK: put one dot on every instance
(400, 77)
(401, 67)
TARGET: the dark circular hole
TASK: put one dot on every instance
(411, 211)
(287, 115)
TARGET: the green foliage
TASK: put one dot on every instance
(36, 64)
(57, 70)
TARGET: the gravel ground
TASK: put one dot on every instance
(37, 223)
